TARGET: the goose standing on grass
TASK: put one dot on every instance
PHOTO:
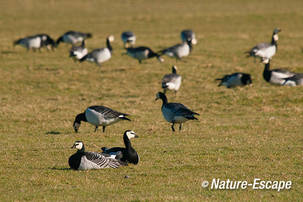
(99, 116)
(100, 55)
(78, 52)
(188, 35)
(128, 38)
(295, 80)
(142, 53)
(73, 37)
(235, 79)
(129, 154)
(275, 76)
(178, 51)
(171, 81)
(266, 50)
(83, 160)
(36, 42)
(175, 112)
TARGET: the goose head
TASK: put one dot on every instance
(78, 145)
(130, 134)
(174, 69)
(161, 96)
(77, 122)
(275, 34)
(111, 38)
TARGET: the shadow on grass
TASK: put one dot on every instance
(8, 52)
(55, 168)
(52, 133)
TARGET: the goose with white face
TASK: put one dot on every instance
(78, 145)
(131, 134)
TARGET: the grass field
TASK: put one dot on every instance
(242, 133)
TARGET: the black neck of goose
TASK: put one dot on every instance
(126, 142)
(174, 71)
(109, 45)
(266, 72)
(164, 99)
(82, 150)
(190, 45)
(152, 54)
(273, 41)
(80, 117)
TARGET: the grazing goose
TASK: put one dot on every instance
(275, 76)
(178, 51)
(188, 35)
(83, 160)
(142, 53)
(266, 50)
(99, 116)
(36, 42)
(129, 154)
(100, 55)
(128, 38)
(73, 37)
(295, 80)
(235, 79)
(78, 52)
(171, 81)
(175, 112)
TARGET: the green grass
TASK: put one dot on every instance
(242, 133)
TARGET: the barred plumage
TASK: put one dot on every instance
(83, 160)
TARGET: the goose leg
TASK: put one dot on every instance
(140, 61)
(180, 126)
(103, 129)
(172, 127)
(96, 128)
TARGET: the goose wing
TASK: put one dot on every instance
(180, 110)
(102, 161)
(108, 112)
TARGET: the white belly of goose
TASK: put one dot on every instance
(34, 43)
(103, 55)
(175, 84)
(267, 52)
(98, 119)
(183, 50)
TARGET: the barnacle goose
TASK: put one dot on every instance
(100, 55)
(129, 154)
(128, 38)
(141, 53)
(99, 116)
(36, 42)
(175, 112)
(78, 52)
(73, 37)
(171, 81)
(295, 80)
(188, 35)
(83, 160)
(178, 51)
(235, 79)
(275, 76)
(266, 50)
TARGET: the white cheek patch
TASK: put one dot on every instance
(276, 37)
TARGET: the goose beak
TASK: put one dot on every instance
(73, 146)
